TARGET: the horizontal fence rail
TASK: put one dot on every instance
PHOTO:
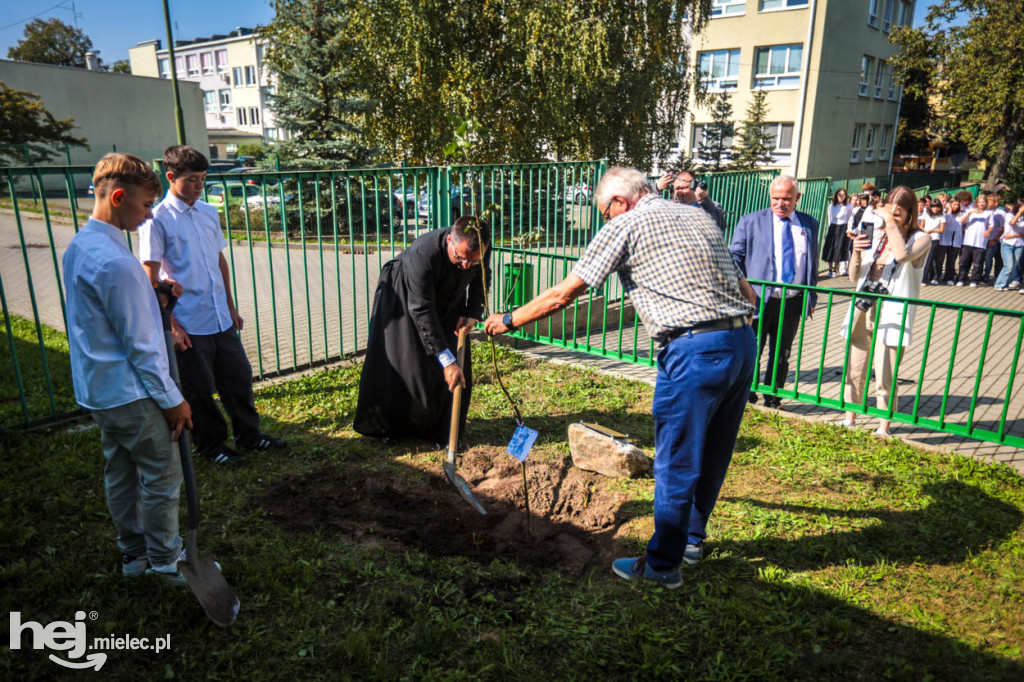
(306, 248)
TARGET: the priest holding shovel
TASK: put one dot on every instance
(425, 297)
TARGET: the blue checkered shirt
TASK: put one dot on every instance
(673, 263)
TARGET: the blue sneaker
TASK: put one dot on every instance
(693, 554)
(636, 568)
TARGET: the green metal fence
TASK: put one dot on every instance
(305, 250)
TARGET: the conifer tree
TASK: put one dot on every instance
(718, 135)
(754, 146)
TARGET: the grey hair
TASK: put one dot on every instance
(788, 180)
(628, 183)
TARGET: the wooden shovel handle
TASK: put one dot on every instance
(453, 432)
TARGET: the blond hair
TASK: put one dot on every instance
(124, 170)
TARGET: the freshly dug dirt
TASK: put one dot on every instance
(572, 528)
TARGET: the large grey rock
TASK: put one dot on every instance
(595, 451)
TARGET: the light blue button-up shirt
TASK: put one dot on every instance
(116, 338)
(187, 241)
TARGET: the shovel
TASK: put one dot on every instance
(453, 436)
(201, 573)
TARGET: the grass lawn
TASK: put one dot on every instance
(33, 365)
(832, 555)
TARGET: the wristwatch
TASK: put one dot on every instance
(507, 321)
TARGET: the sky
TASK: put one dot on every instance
(116, 25)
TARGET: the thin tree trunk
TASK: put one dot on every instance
(1007, 144)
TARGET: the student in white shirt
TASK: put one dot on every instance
(836, 250)
(120, 369)
(933, 224)
(977, 224)
(1012, 244)
(993, 252)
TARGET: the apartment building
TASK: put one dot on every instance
(235, 85)
(833, 103)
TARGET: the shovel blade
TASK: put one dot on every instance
(213, 592)
(459, 483)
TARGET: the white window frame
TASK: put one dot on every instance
(222, 64)
(254, 116)
(241, 117)
(207, 64)
(775, 129)
(858, 140)
(864, 87)
(222, 95)
(894, 87)
(192, 64)
(164, 66)
(179, 65)
(697, 138)
(883, 143)
(786, 5)
(251, 79)
(236, 76)
(728, 8)
(776, 77)
(269, 134)
(728, 82)
(869, 143)
(210, 101)
(880, 79)
(888, 15)
(231, 148)
(873, 13)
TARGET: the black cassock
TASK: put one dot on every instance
(420, 297)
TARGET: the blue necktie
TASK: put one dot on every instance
(788, 253)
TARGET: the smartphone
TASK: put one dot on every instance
(867, 229)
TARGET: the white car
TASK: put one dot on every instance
(578, 194)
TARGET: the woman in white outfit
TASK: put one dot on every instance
(894, 257)
(836, 249)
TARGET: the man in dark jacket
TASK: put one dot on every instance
(424, 297)
(686, 189)
(779, 244)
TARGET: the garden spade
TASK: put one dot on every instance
(202, 573)
(453, 435)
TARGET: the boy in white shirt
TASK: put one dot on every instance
(120, 369)
(184, 241)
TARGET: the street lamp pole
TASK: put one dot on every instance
(179, 119)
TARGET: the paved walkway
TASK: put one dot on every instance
(305, 307)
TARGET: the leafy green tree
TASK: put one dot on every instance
(121, 66)
(971, 50)
(546, 78)
(319, 101)
(916, 116)
(27, 125)
(718, 136)
(51, 41)
(754, 145)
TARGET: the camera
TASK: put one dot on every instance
(870, 287)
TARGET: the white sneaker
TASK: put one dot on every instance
(1014, 285)
(998, 288)
(949, 283)
(934, 282)
(974, 285)
(959, 284)
(882, 434)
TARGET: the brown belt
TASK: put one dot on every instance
(700, 328)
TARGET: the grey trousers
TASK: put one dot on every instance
(142, 479)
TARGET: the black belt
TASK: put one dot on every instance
(700, 328)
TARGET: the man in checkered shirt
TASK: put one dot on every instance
(676, 268)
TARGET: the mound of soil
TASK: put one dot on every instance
(572, 521)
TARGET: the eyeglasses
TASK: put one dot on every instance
(606, 214)
(460, 260)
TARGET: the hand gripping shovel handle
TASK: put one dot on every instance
(453, 435)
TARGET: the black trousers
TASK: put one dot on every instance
(218, 363)
(769, 330)
(972, 260)
(945, 262)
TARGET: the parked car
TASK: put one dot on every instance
(464, 199)
(236, 194)
(578, 194)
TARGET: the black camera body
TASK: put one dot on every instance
(870, 287)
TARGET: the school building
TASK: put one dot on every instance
(230, 72)
(833, 103)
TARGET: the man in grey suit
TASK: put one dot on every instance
(779, 244)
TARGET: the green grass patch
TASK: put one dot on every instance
(832, 556)
(43, 397)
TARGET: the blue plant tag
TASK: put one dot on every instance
(522, 440)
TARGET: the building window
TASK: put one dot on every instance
(887, 17)
(225, 99)
(726, 8)
(700, 130)
(767, 5)
(222, 61)
(782, 135)
(865, 75)
(858, 135)
(240, 114)
(179, 66)
(250, 75)
(894, 88)
(210, 100)
(230, 148)
(869, 144)
(165, 68)
(880, 79)
(254, 116)
(270, 134)
(207, 60)
(192, 61)
(237, 73)
(720, 69)
(883, 143)
(778, 66)
(873, 13)
(906, 13)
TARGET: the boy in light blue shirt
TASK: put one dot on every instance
(120, 369)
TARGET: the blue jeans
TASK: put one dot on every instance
(701, 392)
(993, 256)
(1011, 259)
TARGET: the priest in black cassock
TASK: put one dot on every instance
(424, 296)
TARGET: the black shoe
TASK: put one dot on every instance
(265, 442)
(226, 456)
(772, 402)
(752, 398)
